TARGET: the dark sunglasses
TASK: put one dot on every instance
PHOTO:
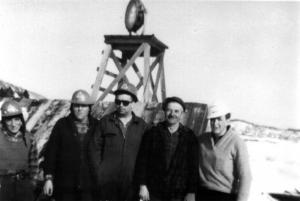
(124, 102)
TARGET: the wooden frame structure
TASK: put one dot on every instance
(133, 47)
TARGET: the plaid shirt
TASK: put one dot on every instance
(33, 163)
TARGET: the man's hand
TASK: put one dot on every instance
(48, 187)
(190, 197)
(144, 193)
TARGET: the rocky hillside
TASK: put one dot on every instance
(9, 90)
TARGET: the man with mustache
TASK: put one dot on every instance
(167, 163)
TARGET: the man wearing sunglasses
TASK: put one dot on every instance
(116, 146)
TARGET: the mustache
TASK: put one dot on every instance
(171, 116)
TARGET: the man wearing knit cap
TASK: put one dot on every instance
(223, 162)
(116, 146)
(167, 163)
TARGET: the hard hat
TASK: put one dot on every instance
(10, 108)
(217, 109)
(127, 88)
(81, 97)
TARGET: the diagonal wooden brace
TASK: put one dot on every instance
(101, 71)
(123, 71)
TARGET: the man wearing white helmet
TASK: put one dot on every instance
(68, 175)
(224, 162)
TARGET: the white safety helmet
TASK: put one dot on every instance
(217, 109)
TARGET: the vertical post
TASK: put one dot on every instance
(101, 71)
(157, 79)
(162, 81)
(146, 80)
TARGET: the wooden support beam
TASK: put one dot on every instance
(152, 67)
(154, 63)
(146, 80)
(110, 74)
(100, 74)
(123, 71)
(158, 75)
(118, 65)
(137, 71)
(140, 84)
(103, 89)
(162, 81)
(151, 81)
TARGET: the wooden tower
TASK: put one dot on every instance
(133, 48)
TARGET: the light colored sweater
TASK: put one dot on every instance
(224, 166)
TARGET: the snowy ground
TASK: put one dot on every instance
(275, 166)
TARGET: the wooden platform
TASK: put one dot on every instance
(129, 44)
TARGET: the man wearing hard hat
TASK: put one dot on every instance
(68, 174)
(223, 162)
(18, 155)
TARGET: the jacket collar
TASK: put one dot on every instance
(71, 120)
(163, 125)
(114, 117)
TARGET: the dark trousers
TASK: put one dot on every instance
(75, 196)
(211, 195)
(165, 198)
(117, 193)
(13, 189)
(162, 199)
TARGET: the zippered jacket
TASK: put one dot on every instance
(115, 155)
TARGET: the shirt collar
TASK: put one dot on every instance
(179, 130)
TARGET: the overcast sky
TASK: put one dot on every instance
(243, 53)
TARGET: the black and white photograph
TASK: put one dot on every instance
(149, 100)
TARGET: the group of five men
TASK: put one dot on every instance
(120, 157)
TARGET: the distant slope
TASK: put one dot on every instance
(9, 90)
(248, 129)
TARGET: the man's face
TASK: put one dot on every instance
(13, 124)
(219, 125)
(173, 113)
(124, 104)
(81, 112)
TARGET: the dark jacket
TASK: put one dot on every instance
(115, 156)
(64, 158)
(181, 176)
